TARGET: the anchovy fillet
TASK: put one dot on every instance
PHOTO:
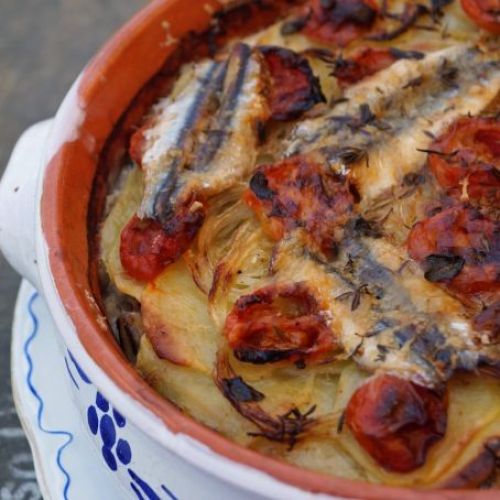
(384, 116)
(205, 138)
(166, 141)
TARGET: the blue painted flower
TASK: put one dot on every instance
(103, 421)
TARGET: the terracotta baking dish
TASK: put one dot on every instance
(83, 124)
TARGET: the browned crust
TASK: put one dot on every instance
(479, 472)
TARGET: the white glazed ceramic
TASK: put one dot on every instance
(162, 464)
(69, 424)
(63, 454)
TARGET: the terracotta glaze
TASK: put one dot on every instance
(83, 125)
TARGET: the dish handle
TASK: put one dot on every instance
(19, 201)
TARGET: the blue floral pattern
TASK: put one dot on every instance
(104, 422)
(41, 407)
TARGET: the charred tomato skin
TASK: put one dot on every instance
(279, 322)
(484, 13)
(147, 247)
(299, 193)
(396, 421)
(293, 87)
(466, 160)
(364, 63)
(460, 232)
(340, 21)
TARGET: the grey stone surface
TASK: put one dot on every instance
(43, 46)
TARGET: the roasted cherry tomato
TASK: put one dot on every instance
(147, 247)
(396, 421)
(279, 322)
(364, 63)
(298, 193)
(466, 160)
(340, 21)
(485, 13)
(458, 247)
(294, 88)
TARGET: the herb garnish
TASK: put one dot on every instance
(356, 299)
(288, 426)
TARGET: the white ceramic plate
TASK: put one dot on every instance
(66, 463)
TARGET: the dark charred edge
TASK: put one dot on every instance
(407, 20)
(208, 150)
(437, 8)
(130, 330)
(233, 20)
(362, 227)
(357, 12)
(287, 428)
(347, 155)
(324, 55)
(263, 356)
(295, 25)
(442, 267)
(489, 366)
(236, 389)
(406, 54)
(162, 207)
(298, 63)
(480, 472)
(260, 187)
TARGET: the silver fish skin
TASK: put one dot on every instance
(205, 138)
(386, 316)
(175, 121)
(385, 116)
(226, 151)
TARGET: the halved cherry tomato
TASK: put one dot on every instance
(340, 21)
(397, 421)
(464, 243)
(279, 322)
(466, 160)
(294, 88)
(485, 13)
(137, 142)
(147, 247)
(297, 192)
(364, 63)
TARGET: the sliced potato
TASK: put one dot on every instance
(194, 392)
(124, 207)
(176, 320)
